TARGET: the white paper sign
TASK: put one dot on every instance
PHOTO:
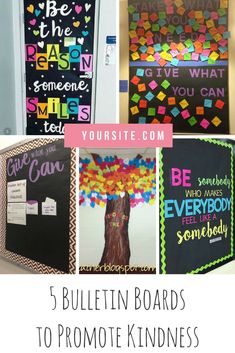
(49, 207)
(32, 208)
(16, 213)
(16, 191)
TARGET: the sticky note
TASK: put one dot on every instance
(42, 111)
(161, 110)
(142, 120)
(135, 56)
(184, 103)
(153, 85)
(204, 123)
(143, 103)
(175, 112)
(208, 103)
(185, 114)
(192, 121)
(151, 112)
(200, 110)
(142, 87)
(135, 98)
(219, 104)
(140, 72)
(135, 80)
(161, 96)
(149, 96)
(171, 100)
(216, 121)
(167, 119)
(165, 84)
(134, 110)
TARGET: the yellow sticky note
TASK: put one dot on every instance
(161, 96)
(142, 41)
(214, 56)
(216, 121)
(210, 24)
(150, 58)
(184, 103)
(180, 47)
(135, 56)
(223, 4)
(147, 25)
(217, 37)
(198, 14)
(133, 34)
(179, 3)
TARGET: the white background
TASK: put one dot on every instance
(25, 303)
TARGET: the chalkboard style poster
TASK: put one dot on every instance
(179, 64)
(196, 206)
(40, 207)
(59, 64)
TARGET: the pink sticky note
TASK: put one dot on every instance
(170, 10)
(195, 56)
(202, 29)
(86, 63)
(185, 114)
(202, 38)
(161, 110)
(140, 23)
(135, 40)
(157, 56)
(30, 52)
(84, 113)
(174, 53)
(223, 42)
(214, 15)
(150, 41)
(206, 52)
(205, 123)
(153, 84)
(31, 104)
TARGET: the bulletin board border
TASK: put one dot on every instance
(163, 256)
(21, 260)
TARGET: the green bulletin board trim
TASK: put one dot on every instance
(163, 257)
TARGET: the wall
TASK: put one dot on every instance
(124, 60)
(106, 77)
(7, 81)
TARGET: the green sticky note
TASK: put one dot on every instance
(165, 47)
(151, 111)
(131, 9)
(221, 12)
(155, 27)
(187, 57)
(196, 26)
(62, 111)
(188, 43)
(133, 26)
(171, 28)
(211, 61)
(192, 121)
(162, 15)
(135, 98)
(165, 84)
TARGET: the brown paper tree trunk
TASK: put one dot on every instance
(117, 247)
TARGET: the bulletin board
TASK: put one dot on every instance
(59, 46)
(179, 64)
(39, 209)
(196, 206)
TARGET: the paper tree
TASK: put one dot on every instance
(117, 184)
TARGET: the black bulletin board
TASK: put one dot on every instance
(59, 44)
(44, 239)
(208, 169)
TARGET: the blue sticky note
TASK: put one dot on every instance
(140, 72)
(175, 62)
(208, 103)
(142, 120)
(207, 14)
(203, 58)
(223, 49)
(175, 112)
(149, 96)
(209, 36)
(191, 22)
(222, 21)
(179, 29)
(143, 48)
(162, 22)
(157, 47)
(136, 17)
(226, 35)
(191, 49)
